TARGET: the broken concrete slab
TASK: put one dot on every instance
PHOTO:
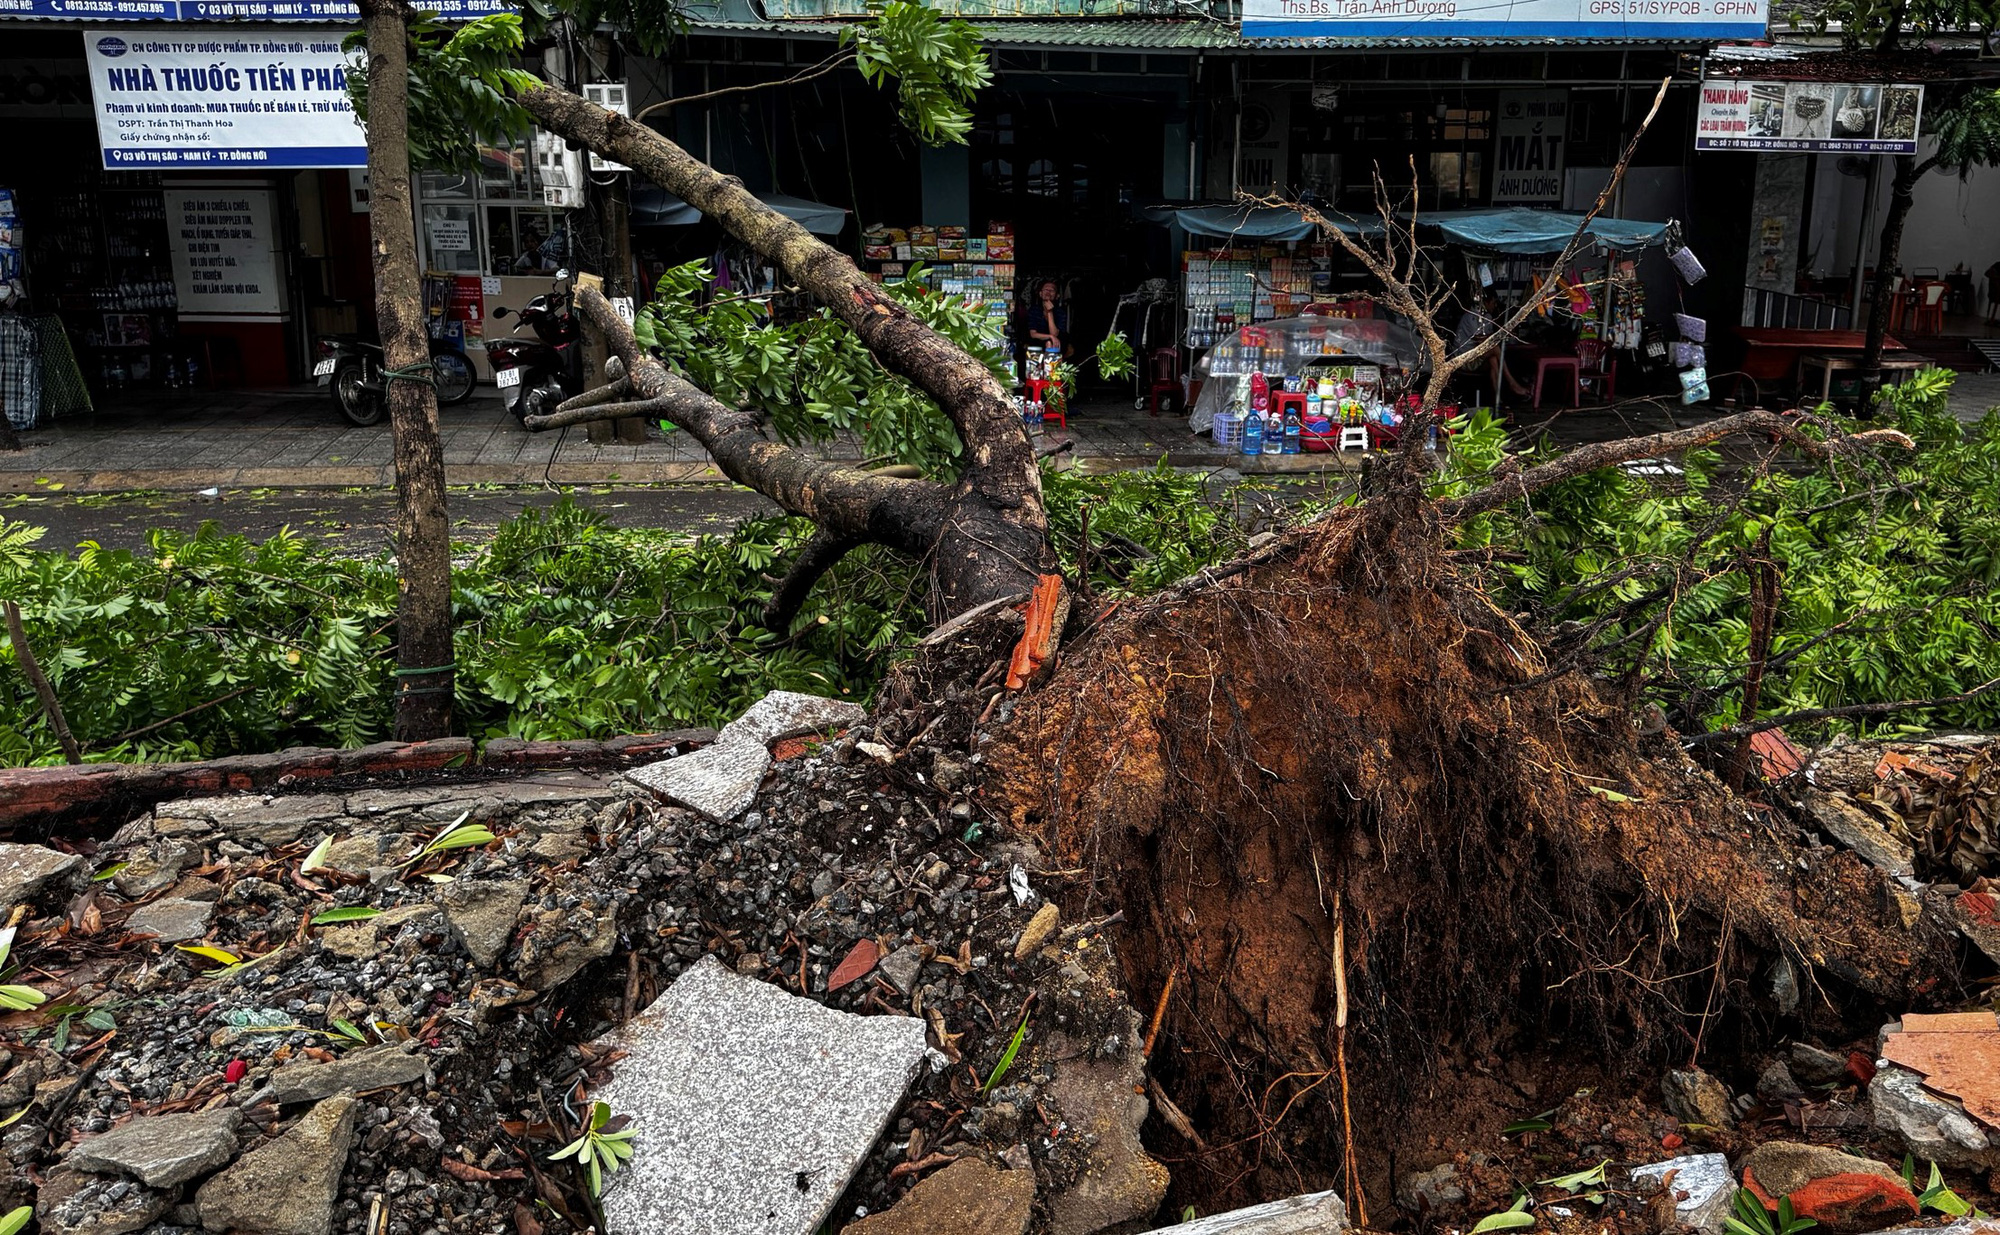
(1703, 1188)
(720, 781)
(248, 818)
(377, 1067)
(482, 913)
(361, 940)
(753, 1107)
(26, 871)
(73, 1203)
(969, 1197)
(172, 921)
(789, 714)
(1100, 1098)
(1927, 1126)
(1316, 1213)
(903, 966)
(565, 940)
(286, 1186)
(1855, 828)
(153, 866)
(161, 1151)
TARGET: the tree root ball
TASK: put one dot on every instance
(1353, 732)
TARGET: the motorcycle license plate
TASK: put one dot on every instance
(506, 378)
(323, 370)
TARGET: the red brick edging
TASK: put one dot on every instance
(85, 792)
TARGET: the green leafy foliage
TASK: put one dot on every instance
(999, 1072)
(17, 1220)
(567, 627)
(1513, 1218)
(936, 63)
(1749, 1217)
(1890, 572)
(460, 81)
(598, 1151)
(811, 378)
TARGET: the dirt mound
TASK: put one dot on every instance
(1350, 753)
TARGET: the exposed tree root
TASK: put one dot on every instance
(1351, 726)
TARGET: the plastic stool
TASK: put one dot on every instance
(1560, 364)
(1038, 388)
(1354, 437)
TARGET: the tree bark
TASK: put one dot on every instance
(1902, 191)
(994, 538)
(423, 534)
(849, 504)
(32, 670)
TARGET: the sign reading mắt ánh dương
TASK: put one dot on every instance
(183, 97)
(1532, 127)
(1578, 20)
(1818, 116)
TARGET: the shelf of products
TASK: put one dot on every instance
(978, 270)
(102, 259)
(1227, 288)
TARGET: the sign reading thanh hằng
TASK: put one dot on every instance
(1818, 116)
(233, 97)
(1578, 20)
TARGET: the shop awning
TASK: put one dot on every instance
(1245, 222)
(1519, 230)
(653, 206)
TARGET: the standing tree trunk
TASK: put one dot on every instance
(1902, 191)
(423, 534)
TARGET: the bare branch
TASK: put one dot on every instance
(1852, 709)
(821, 69)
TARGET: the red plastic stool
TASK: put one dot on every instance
(1038, 388)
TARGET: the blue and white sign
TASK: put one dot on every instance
(1572, 20)
(229, 97)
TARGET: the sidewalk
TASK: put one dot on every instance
(294, 439)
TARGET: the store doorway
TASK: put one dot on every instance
(1065, 168)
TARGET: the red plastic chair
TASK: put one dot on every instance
(1597, 367)
(1038, 391)
(1929, 315)
(1570, 365)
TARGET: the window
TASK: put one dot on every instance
(491, 221)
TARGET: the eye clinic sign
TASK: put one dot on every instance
(1579, 20)
(222, 98)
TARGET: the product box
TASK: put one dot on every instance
(950, 233)
(999, 229)
(924, 235)
(893, 270)
(902, 252)
(951, 250)
(924, 252)
(975, 248)
(878, 252)
(1000, 248)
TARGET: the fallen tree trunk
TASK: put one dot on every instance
(989, 537)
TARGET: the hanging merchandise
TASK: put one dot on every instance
(1694, 386)
(1683, 258)
(1690, 356)
(1693, 329)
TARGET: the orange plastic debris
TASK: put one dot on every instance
(1037, 645)
(1958, 1054)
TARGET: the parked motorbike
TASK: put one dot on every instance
(536, 375)
(353, 369)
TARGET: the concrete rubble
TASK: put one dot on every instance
(1316, 1213)
(753, 1107)
(721, 780)
(1704, 1188)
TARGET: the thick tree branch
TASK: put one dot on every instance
(30, 669)
(1853, 709)
(821, 554)
(1626, 450)
(845, 501)
(994, 539)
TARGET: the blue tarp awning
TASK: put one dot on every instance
(1496, 229)
(1246, 222)
(1519, 230)
(653, 206)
